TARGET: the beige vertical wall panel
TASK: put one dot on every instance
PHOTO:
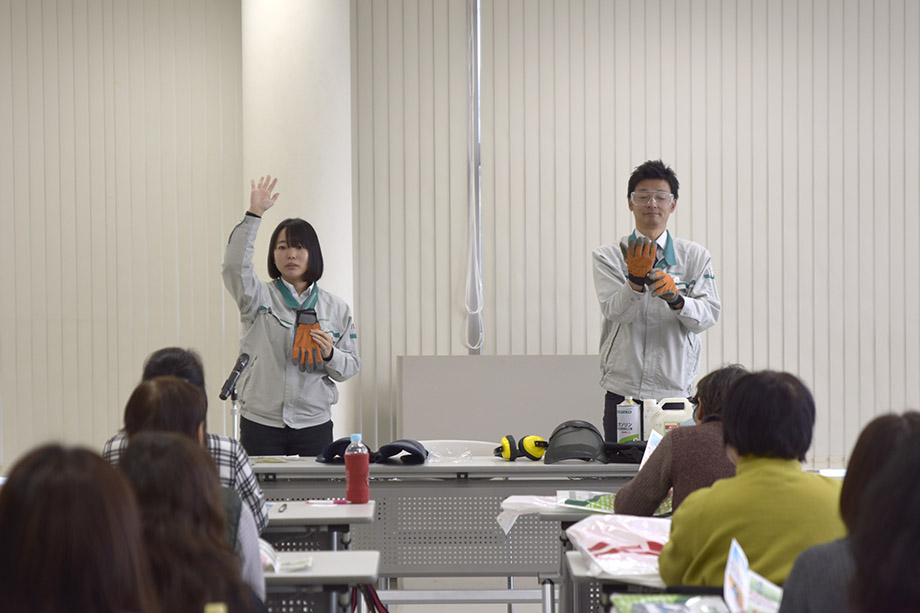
(880, 190)
(489, 76)
(458, 136)
(427, 118)
(727, 175)
(911, 162)
(397, 193)
(793, 126)
(103, 117)
(578, 255)
(411, 302)
(801, 26)
(737, 314)
(594, 171)
(443, 201)
(891, 24)
(559, 222)
(817, 132)
(516, 172)
(847, 256)
(379, 243)
(81, 392)
(835, 222)
(550, 115)
(410, 134)
(363, 157)
(911, 220)
(866, 218)
(8, 257)
(35, 240)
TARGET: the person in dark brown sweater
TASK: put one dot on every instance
(687, 458)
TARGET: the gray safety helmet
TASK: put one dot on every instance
(575, 440)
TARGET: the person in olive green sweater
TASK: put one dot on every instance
(773, 508)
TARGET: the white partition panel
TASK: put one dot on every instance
(483, 398)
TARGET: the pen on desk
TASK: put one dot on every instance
(282, 507)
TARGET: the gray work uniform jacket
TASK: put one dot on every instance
(648, 350)
(272, 390)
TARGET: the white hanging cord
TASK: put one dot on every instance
(473, 298)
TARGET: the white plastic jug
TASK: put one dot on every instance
(666, 414)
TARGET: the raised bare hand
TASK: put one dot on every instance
(261, 199)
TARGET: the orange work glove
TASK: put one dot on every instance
(640, 257)
(662, 285)
(306, 352)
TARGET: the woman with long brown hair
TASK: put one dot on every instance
(184, 525)
(71, 537)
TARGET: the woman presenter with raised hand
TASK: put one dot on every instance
(300, 338)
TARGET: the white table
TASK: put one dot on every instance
(294, 517)
(335, 571)
(571, 599)
(439, 519)
(578, 570)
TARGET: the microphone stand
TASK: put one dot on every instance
(235, 412)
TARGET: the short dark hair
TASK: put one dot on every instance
(872, 451)
(166, 404)
(71, 534)
(299, 234)
(653, 169)
(712, 389)
(769, 414)
(177, 362)
(886, 536)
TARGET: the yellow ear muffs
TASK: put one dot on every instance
(532, 447)
(508, 449)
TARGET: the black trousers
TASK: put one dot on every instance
(611, 401)
(266, 440)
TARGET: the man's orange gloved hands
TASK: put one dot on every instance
(640, 257)
(306, 351)
(662, 285)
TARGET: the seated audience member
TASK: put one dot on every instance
(686, 459)
(171, 404)
(818, 581)
(886, 537)
(184, 525)
(771, 506)
(233, 463)
(70, 537)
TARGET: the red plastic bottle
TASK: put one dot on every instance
(357, 471)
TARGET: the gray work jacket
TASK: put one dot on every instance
(272, 390)
(647, 350)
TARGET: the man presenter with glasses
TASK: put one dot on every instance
(657, 293)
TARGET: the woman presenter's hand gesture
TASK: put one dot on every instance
(261, 199)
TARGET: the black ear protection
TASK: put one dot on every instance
(531, 447)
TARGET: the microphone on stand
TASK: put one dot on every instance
(241, 363)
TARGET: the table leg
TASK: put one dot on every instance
(549, 597)
(344, 540)
(566, 591)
